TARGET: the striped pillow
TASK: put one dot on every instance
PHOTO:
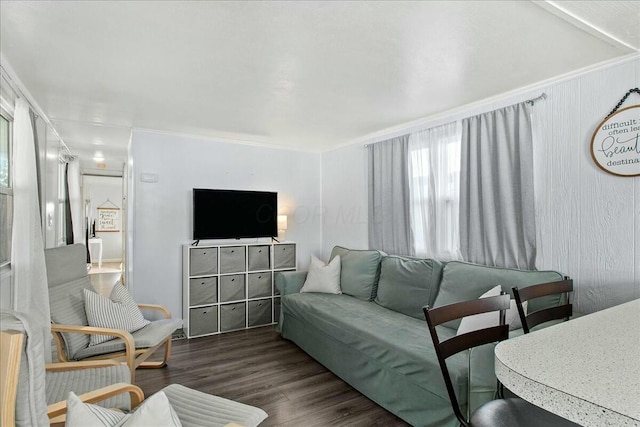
(155, 411)
(119, 311)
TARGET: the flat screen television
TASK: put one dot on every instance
(234, 214)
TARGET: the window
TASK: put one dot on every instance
(434, 181)
(6, 193)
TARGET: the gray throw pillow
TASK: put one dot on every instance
(360, 271)
(407, 284)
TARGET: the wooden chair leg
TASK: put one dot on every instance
(163, 362)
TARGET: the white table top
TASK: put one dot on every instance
(586, 370)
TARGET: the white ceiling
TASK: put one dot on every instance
(306, 75)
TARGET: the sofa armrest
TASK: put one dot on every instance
(290, 282)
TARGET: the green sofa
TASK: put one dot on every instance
(374, 335)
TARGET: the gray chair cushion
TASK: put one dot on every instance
(198, 409)
(152, 334)
(31, 404)
(65, 263)
(59, 384)
(66, 303)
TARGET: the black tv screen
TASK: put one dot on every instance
(233, 214)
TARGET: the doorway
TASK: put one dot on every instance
(103, 201)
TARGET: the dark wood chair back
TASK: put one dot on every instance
(563, 311)
(454, 345)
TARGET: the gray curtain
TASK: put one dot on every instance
(389, 217)
(497, 218)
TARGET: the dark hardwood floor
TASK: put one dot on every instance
(258, 367)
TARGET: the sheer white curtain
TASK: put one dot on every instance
(75, 200)
(27, 247)
(434, 181)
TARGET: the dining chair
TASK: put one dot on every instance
(67, 280)
(564, 310)
(502, 412)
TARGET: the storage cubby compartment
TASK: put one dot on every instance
(259, 312)
(226, 287)
(232, 316)
(232, 259)
(204, 290)
(259, 284)
(284, 256)
(232, 288)
(203, 320)
(259, 258)
(203, 261)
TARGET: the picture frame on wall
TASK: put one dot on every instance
(108, 220)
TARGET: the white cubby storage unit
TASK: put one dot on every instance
(231, 287)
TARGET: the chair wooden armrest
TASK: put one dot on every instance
(129, 343)
(234, 425)
(56, 411)
(84, 364)
(156, 307)
(11, 344)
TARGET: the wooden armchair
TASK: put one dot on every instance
(34, 394)
(67, 278)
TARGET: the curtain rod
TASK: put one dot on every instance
(67, 158)
(17, 92)
(531, 102)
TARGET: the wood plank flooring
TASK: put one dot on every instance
(258, 367)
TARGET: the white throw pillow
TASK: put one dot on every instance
(155, 411)
(323, 277)
(487, 320)
(119, 311)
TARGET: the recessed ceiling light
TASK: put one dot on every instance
(98, 157)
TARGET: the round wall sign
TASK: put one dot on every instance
(615, 146)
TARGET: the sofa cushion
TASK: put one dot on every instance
(385, 338)
(360, 271)
(462, 281)
(407, 284)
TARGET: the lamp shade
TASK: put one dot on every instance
(282, 222)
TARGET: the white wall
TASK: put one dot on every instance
(98, 190)
(589, 221)
(344, 199)
(162, 211)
